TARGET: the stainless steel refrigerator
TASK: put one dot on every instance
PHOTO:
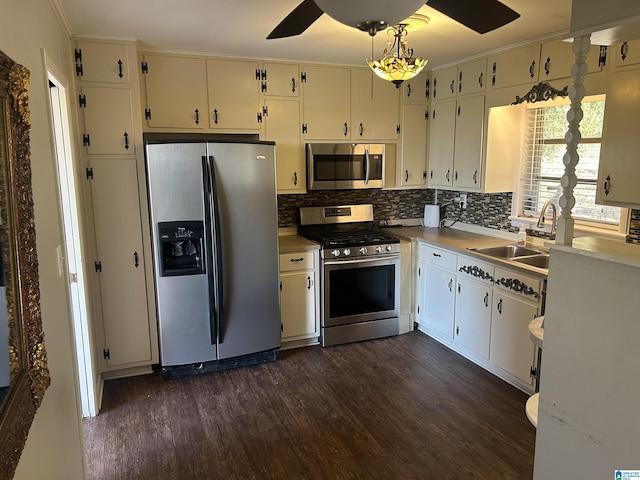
(214, 228)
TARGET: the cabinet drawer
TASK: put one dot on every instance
(517, 283)
(296, 261)
(476, 269)
(435, 256)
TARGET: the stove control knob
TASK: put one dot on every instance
(389, 248)
(335, 253)
(378, 249)
(363, 250)
(347, 252)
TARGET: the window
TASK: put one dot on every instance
(542, 165)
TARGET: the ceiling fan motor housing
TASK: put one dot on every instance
(369, 15)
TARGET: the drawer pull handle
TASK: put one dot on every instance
(308, 283)
(436, 254)
(499, 307)
(486, 300)
(296, 260)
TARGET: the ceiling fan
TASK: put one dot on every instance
(372, 16)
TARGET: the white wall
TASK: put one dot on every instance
(54, 445)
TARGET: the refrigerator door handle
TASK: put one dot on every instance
(218, 280)
(211, 260)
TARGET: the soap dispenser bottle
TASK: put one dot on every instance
(522, 236)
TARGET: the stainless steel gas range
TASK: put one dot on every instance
(360, 273)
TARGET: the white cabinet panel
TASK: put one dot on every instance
(441, 144)
(281, 80)
(516, 66)
(102, 62)
(116, 216)
(413, 147)
(445, 83)
(467, 157)
(376, 104)
(439, 301)
(418, 89)
(298, 304)
(472, 76)
(556, 60)
(327, 103)
(473, 316)
(626, 53)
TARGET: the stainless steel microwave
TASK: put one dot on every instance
(344, 166)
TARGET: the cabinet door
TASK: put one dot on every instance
(439, 301)
(297, 303)
(282, 125)
(619, 167)
(377, 104)
(441, 144)
(327, 103)
(472, 76)
(234, 95)
(511, 348)
(418, 89)
(281, 80)
(116, 215)
(102, 62)
(517, 66)
(468, 142)
(473, 316)
(626, 53)
(176, 89)
(108, 120)
(413, 148)
(556, 60)
(445, 83)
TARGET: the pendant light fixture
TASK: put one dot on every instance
(397, 63)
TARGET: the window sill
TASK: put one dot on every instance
(579, 230)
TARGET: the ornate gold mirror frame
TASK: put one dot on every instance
(28, 372)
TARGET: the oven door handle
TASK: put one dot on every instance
(367, 166)
(362, 260)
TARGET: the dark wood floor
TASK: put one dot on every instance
(397, 408)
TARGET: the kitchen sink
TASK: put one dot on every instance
(540, 261)
(507, 251)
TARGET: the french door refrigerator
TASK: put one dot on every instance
(214, 229)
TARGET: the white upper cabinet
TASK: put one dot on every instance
(445, 83)
(556, 60)
(413, 146)
(102, 62)
(280, 80)
(472, 76)
(467, 155)
(376, 105)
(619, 168)
(441, 141)
(327, 102)
(233, 88)
(626, 53)
(516, 66)
(108, 120)
(176, 91)
(418, 89)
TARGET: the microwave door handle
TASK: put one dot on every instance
(367, 166)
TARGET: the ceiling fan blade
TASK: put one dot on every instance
(297, 21)
(479, 15)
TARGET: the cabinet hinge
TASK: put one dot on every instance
(280, 286)
(419, 271)
(433, 115)
(89, 173)
(106, 354)
(424, 174)
(602, 58)
(259, 114)
(533, 372)
(257, 74)
(263, 87)
(145, 67)
(98, 266)
(282, 327)
(147, 114)
(82, 101)
(265, 111)
(303, 77)
(418, 309)
(304, 128)
(493, 75)
(77, 55)
(263, 75)
(426, 115)
(435, 83)
(426, 92)
(79, 70)
(398, 129)
(86, 140)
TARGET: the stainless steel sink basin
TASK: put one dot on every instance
(540, 261)
(507, 251)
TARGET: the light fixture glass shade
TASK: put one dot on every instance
(398, 63)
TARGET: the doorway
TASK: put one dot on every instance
(70, 258)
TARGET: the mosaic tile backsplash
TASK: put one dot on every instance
(634, 227)
(486, 210)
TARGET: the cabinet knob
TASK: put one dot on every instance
(120, 74)
(486, 300)
(623, 51)
(346, 129)
(406, 176)
(499, 306)
(546, 65)
(607, 184)
(295, 178)
(532, 68)
(308, 283)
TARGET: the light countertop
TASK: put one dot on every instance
(295, 243)
(603, 249)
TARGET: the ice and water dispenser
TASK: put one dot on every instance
(181, 248)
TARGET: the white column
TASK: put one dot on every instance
(581, 47)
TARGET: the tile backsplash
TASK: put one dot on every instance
(634, 227)
(485, 210)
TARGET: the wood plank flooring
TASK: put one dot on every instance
(398, 408)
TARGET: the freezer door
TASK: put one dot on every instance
(176, 194)
(246, 202)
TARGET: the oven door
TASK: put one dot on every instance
(360, 290)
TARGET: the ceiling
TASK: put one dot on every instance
(240, 27)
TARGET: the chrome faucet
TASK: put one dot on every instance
(554, 217)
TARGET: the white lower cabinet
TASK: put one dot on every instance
(299, 293)
(479, 309)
